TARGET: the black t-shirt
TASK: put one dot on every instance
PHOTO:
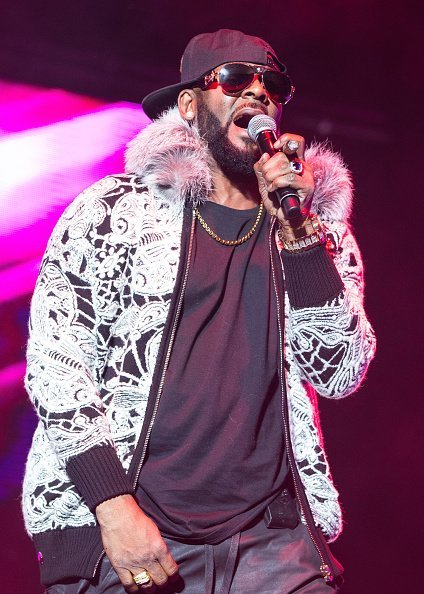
(216, 455)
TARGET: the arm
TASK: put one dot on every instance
(66, 354)
(331, 339)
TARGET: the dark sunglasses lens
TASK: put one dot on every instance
(278, 86)
(233, 78)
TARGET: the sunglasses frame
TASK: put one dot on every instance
(213, 76)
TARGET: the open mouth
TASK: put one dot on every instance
(242, 120)
(243, 117)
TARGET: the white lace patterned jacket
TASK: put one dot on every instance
(100, 306)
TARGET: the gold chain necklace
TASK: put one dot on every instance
(230, 241)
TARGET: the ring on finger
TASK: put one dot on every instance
(296, 166)
(143, 578)
(292, 145)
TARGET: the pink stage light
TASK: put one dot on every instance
(47, 166)
(53, 144)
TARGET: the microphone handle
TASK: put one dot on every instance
(287, 197)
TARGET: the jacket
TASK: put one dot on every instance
(101, 329)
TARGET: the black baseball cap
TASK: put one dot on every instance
(206, 52)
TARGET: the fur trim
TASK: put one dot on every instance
(172, 159)
(333, 195)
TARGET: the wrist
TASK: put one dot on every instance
(309, 233)
(295, 230)
(109, 510)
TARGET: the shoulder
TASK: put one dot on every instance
(97, 202)
(96, 211)
(107, 191)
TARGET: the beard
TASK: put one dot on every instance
(233, 161)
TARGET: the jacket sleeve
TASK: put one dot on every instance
(64, 356)
(332, 340)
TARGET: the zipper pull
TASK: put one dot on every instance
(326, 573)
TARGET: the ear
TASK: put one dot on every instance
(187, 104)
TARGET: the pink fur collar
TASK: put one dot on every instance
(169, 155)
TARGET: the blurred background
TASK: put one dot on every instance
(71, 79)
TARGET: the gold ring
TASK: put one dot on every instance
(142, 578)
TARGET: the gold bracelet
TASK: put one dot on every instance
(307, 241)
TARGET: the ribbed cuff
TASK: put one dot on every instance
(68, 554)
(98, 475)
(311, 277)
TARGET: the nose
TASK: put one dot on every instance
(256, 89)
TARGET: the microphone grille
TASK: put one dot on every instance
(259, 123)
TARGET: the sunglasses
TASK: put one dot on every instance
(234, 77)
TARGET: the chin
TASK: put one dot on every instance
(230, 145)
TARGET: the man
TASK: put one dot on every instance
(180, 330)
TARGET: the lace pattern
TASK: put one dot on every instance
(97, 315)
(328, 348)
(97, 318)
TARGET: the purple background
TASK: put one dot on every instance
(70, 77)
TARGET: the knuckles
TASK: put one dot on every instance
(272, 172)
(160, 550)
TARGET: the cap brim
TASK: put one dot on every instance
(158, 101)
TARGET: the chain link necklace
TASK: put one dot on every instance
(230, 242)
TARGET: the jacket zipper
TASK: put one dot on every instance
(168, 352)
(165, 366)
(301, 497)
(325, 570)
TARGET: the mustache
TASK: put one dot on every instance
(250, 105)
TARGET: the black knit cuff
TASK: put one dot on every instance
(311, 277)
(98, 475)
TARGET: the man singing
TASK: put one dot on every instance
(181, 329)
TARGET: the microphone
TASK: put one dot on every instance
(261, 130)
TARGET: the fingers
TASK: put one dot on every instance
(291, 144)
(136, 580)
(166, 561)
(163, 566)
(274, 173)
(127, 580)
(277, 172)
(262, 184)
(159, 566)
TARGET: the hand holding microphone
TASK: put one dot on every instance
(290, 180)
